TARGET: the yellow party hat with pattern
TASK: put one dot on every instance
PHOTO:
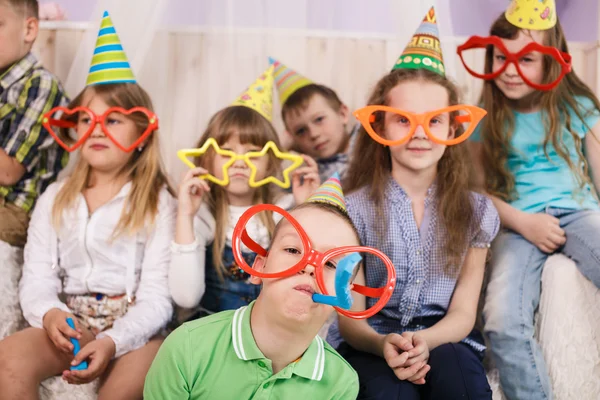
(424, 50)
(330, 192)
(287, 80)
(109, 63)
(532, 14)
(259, 95)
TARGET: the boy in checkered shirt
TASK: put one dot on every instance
(30, 159)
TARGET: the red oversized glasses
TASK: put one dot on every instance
(293, 258)
(83, 121)
(470, 54)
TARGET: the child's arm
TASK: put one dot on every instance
(26, 136)
(460, 318)
(152, 308)
(194, 228)
(592, 154)
(40, 283)
(11, 171)
(541, 229)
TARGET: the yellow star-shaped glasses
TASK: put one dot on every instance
(296, 160)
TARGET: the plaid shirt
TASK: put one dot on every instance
(27, 91)
(423, 288)
(338, 162)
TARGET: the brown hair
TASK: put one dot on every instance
(252, 128)
(328, 207)
(144, 169)
(299, 100)
(29, 8)
(497, 129)
(371, 167)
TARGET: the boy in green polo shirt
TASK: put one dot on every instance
(269, 349)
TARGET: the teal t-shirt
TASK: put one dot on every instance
(542, 181)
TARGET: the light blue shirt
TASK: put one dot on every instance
(542, 181)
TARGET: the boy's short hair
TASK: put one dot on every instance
(30, 8)
(300, 98)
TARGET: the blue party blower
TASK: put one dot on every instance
(83, 365)
(343, 275)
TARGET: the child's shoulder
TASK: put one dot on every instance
(336, 364)
(217, 325)
(481, 203)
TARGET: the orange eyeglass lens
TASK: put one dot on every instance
(451, 125)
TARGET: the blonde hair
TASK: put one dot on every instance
(371, 167)
(251, 128)
(497, 129)
(144, 168)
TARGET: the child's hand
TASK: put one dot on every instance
(544, 231)
(99, 352)
(191, 191)
(418, 355)
(59, 332)
(396, 353)
(305, 180)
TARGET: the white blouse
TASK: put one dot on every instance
(83, 258)
(187, 271)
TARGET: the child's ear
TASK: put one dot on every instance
(344, 113)
(32, 26)
(452, 131)
(259, 265)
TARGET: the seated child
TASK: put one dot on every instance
(98, 244)
(29, 158)
(316, 120)
(204, 276)
(270, 347)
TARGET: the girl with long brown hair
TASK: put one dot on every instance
(100, 238)
(409, 197)
(203, 270)
(534, 154)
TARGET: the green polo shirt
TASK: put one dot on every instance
(217, 358)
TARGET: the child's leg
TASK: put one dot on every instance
(27, 358)
(456, 373)
(512, 297)
(13, 229)
(377, 380)
(124, 378)
(582, 245)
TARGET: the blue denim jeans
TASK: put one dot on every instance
(513, 296)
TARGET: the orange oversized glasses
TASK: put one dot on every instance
(393, 127)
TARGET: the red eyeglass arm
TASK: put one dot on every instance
(368, 291)
(252, 245)
(61, 123)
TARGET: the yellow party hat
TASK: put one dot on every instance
(259, 96)
(532, 14)
(109, 63)
(424, 50)
(287, 80)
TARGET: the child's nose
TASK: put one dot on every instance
(419, 133)
(511, 69)
(308, 269)
(97, 132)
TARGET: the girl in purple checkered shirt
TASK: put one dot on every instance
(409, 197)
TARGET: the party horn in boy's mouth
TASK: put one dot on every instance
(343, 275)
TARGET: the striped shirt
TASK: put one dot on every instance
(423, 289)
(27, 91)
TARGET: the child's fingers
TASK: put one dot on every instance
(66, 330)
(312, 177)
(405, 373)
(420, 375)
(397, 361)
(310, 162)
(415, 359)
(194, 172)
(83, 354)
(400, 342)
(304, 171)
(60, 341)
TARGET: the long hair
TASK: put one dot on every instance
(144, 169)
(497, 129)
(371, 166)
(251, 128)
